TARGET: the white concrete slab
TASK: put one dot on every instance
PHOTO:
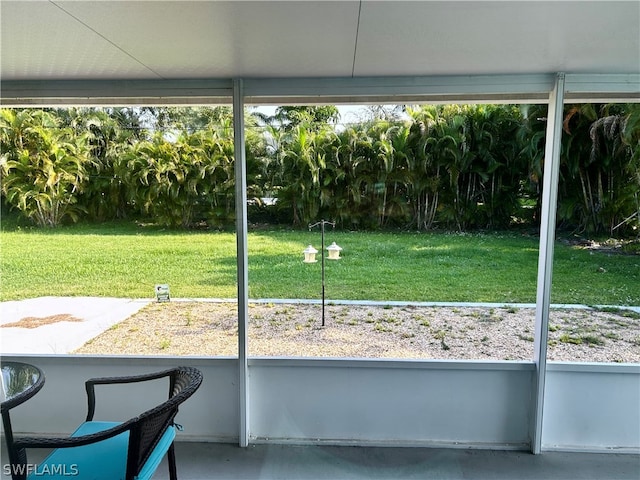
(97, 314)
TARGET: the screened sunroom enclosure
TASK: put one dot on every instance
(525, 405)
(513, 405)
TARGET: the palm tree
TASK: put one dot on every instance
(43, 166)
(299, 171)
(346, 155)
(110, 133)
(599, 188)
(423, 168)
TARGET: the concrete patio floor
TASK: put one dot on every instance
(203, 461)
(219, 461)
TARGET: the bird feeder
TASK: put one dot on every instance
(334, 251)
(310, 254)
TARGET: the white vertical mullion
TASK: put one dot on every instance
(242, 258)
(545, 254)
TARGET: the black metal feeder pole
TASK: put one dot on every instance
(322, 224)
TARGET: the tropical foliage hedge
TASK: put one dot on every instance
(454, 167)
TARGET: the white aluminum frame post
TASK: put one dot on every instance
(545, 254)
(242, 259)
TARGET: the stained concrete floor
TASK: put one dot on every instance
(204, 461)
(219, 461)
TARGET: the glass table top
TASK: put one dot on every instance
(19, 379)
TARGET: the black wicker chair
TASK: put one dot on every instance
(130, 450)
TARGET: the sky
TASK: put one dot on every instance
(348, 113)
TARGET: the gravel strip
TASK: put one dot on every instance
(473, 333)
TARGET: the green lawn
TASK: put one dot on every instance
(125, 260)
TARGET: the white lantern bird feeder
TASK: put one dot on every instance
(310, 254)
(334, 251)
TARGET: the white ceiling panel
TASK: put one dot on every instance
(475, 37)
(296, 39)
(178, 39)
(40, 41)
(154, 40)
(167, 38)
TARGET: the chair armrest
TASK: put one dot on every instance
(67, 442)
(90, 385)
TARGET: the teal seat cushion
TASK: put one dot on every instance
(157, 455)
(105, 460)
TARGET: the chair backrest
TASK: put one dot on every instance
(148, 428)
